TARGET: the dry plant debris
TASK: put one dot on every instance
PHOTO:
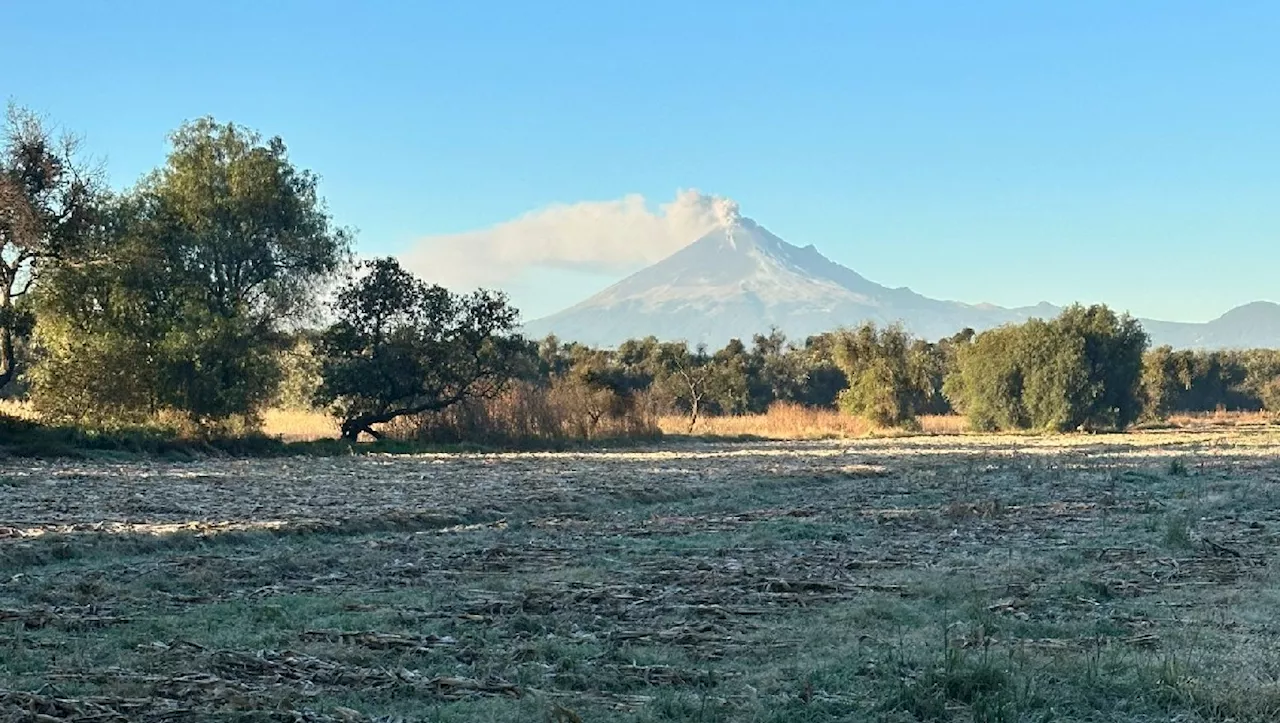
(902, 579)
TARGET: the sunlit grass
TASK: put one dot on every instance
(783, 421)
(786, 421)
(17, 410)
(299, 425)
(1222, 419)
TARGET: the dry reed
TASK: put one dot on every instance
(17, 410)
(299, 425)
(527, 413)
(786, 420)
(1221, 418)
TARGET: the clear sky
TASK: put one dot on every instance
(1008, 152)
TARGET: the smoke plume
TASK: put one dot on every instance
(601, 236)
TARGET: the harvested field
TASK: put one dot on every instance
(1125, 577)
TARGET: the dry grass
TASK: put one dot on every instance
(16, 409)
(993, 578)
(944, 424)
(526, 413)
(786, 421)
(783, 421)
(1221, 418)
(299, 425)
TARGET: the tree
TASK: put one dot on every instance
(402, 346)
(694, 380)
(985, 385)
(823, 378)
(186, 288)
(103, 317)
(1261, 378)
(48, 198)
(1081, 370)
(1166, 376)
(776, 371)
(889, 374)
(255, 238)
(732, 367)
(687, 376)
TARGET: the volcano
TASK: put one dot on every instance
(739, 280)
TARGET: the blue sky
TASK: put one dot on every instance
(1008, 152)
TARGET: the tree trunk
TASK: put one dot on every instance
(351, 428)
(7, 363)
(693, 413)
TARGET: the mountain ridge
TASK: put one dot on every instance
(739, 279)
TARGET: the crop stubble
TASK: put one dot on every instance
(917, 578)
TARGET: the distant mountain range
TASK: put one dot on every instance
(740, 279)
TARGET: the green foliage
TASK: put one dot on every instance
(694, 380)
(1080, 370)
(299, 373)
(891, 375)
(402, 347)
(1261, 378)
(255, 237)
(48, 197)
(1203, 381)
(823, 379)
(983, 683)
(176, 301)
(985, 384)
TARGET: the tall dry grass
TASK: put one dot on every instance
(526, 413)
(787, 420)
(17, 410)
(299, 425)
(1222, 418)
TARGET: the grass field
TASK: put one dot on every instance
(784, 421)
(945, 578)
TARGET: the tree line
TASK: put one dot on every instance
(1086, 369)
(218, 285)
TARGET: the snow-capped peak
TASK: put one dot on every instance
(739, 279)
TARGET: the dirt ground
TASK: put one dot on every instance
(1124, 577)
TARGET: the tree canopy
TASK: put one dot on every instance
(49, 198)
(178, 299)
(401, 346)
(1081, 370)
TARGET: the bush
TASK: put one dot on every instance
(1082, 370)
(890, 374)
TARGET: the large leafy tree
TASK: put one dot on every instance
(891, 375)
(401, 346)
(1110, 350)
(179, 300)
(986, 381)
(1080, 370)
(251, 233)
(48, 198)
